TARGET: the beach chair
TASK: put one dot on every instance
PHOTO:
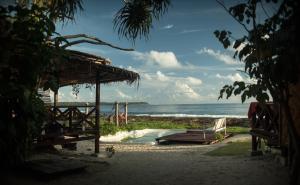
(197, 135)
(218, 126)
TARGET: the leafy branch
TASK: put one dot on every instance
(86, 39)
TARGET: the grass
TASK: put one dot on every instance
(238, 130)
(139, 124)
(154, 125)
(232, 149)
(108, 128)
(239, 148)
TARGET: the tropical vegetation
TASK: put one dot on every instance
(269, 52)
(107, 128)
(30, 47)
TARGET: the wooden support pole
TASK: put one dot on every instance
(83, 124)
(55, 98)
(70, 117)
(126, 112)
(117, 113)
(225, 128)
(86, 108)
(55, 104)
(97, 116)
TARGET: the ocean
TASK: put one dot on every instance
(181, 110)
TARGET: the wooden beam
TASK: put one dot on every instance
(117, 113)
(55, 98)
(55, 104)
(97, 116)
(126, 112)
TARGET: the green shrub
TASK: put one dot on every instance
(107, 128)
(25, 57)
(219, 136)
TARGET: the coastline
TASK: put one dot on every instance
(191, 115)
(154, 127)
(230, 121)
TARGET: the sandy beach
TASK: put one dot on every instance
(164, 164)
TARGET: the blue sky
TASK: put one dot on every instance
(182, 62)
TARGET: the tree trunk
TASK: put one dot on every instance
(294, 144)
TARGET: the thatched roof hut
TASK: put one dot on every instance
(82, 68)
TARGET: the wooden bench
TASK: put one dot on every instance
(198, 135)
(218, 126)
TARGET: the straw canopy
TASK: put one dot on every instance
(82, 68)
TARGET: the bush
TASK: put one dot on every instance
(25, 57)
(219, 136)
(107, 128)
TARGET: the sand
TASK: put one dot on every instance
(179, 164)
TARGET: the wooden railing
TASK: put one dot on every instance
(72, 118)
(74, 123)
(265, 120)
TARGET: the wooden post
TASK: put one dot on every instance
(86, 108)
(97, 116)
(55, 98)
(225, 129)
(83, 124)
(70, 117)
(117, 113)
(55, 104)
(126, 112)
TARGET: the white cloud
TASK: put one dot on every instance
(162, 59)
(191, 31)
(193, 81)
(122, 95)
(146, 76)
(185, 90)
(130, 68)
(233, 78)
(161, 77)
(227, 59)
(161, 88)
(169, 26)
(68, 97)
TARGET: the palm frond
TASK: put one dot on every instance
(57, 9)
(136, 17)
(64, 9)
(160, 7)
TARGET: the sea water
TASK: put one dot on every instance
(181, 110)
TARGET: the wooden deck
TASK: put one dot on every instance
(193, 137)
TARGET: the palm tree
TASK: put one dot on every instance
(133, 20)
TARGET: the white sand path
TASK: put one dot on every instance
(170, 165)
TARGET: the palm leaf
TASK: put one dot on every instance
(136, 17)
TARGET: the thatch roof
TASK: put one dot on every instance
(81, 68)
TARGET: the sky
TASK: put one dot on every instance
(182, 62)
